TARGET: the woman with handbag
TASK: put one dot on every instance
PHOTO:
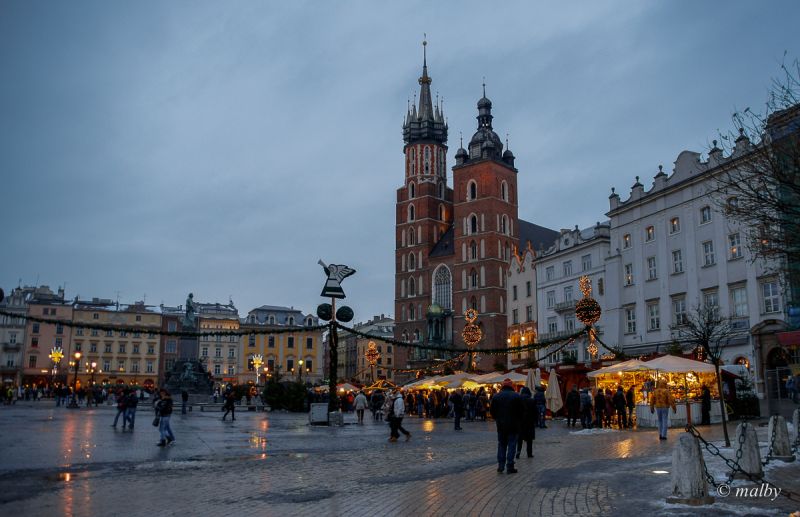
(163, 413)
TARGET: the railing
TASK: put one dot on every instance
(568, 305)
(740, 323)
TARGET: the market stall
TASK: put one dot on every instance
(632, 373)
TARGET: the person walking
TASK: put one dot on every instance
(361, 405)
(530, 414)
(506, 409)
(630, 402)
(660, 402)
(705, 405)
(184, 401)
(229, 406)
(376, 401)
(121, 405)
(599, 407)
(619, 407)
(457, 399)
(541, 403)
(573, 406)
(164, 411)
(586, 409)
(397, 411)
(131, 401)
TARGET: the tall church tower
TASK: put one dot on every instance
(424, 212)
(486, 230)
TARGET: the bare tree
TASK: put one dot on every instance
(707, 329)
(760, 187)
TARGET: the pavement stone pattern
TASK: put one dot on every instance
(55, 461)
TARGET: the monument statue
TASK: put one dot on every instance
(191, 312)
(189, 375)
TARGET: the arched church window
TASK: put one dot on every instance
(472, 191)
(473, 303)
(412, 287)
(442, 287)
(412, 237)
(411, 315)
(504, 191)
(410, 213)
(473, 250)
(473, 276)
(504, 225)
(441, 190)
(441, 212)
(412, 261)
(427, 160)
(473, 224)
(412, 190)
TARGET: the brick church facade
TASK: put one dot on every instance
(454, 244)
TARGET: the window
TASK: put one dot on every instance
(149, 367)
(528, 288)
(769, 293)
(217, 369)
(674, 225)
(504, 191)
(122, 348)
(231, 352)
(679, 310)
(107, 348)
(586, 262)
(630, 320)
(711, 300)
(649, 233)
(93, 347)
(442, 287)
(122, 333)
(514, 316)
(251, 340)
(551, 299)
(708, 253)
(309, 343)
(677, 261)
(172, 326)
(78, 331)
(136, 348)
(121, 365)
(739, 302)
(626, 241)
(568, 293)
(35, 342)
(411, 191)
(734, 246)
(652, 272)
(552, 325)
(412, 261)
(473, 250)
(32, 361)
(218, 352)
(308, 366)
(473, 224)
(106, 365)
(569, 323)
(473, 191)
(550, 272)
(653, 317)
(705, 215)
(473, 279)
(59, 342)
(529, 313)
(134, 366)
(628, 274)
(35, 328)
(410, 213)
(289, 365)
(504, 225)
(171, 347)
(271, 365)
(568, 268)
(109, 333)
(95, 316)
(514, 292)
(271, 342)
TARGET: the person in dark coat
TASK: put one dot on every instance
(630, 401)
(530, 416)
(705, 405)
(599, 407)
(458, 408)
(541, 403)
(506, 409)
(573, 406)
(229, 406)
(619, 407)
(586, 409)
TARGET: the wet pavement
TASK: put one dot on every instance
(55, 461)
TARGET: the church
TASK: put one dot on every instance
(454, 243)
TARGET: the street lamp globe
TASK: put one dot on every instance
(77, 356)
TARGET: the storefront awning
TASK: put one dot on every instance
(791, 338)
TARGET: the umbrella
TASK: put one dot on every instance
(537, 378)
(346, 387)
(553, 394)
(530, 381)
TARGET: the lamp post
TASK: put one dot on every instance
(74, 402)
(94, 368)
(300, 372)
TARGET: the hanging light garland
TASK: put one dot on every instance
(588, 311)
(372, 353)
(472, 333)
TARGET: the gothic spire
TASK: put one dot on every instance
(425, 102)
(426, 122)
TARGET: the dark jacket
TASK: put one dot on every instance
(132, 401)
(458, 402)
(530, 416)
(600, 401)
(573, 401)
(506, 409)
(164, 407)
(619, 400)
(630, 399)
(539, 398)
(586, 400)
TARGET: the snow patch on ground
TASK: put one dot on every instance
(594, 430)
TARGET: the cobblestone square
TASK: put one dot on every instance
(72, 462)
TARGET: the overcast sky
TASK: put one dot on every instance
(156, 148)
